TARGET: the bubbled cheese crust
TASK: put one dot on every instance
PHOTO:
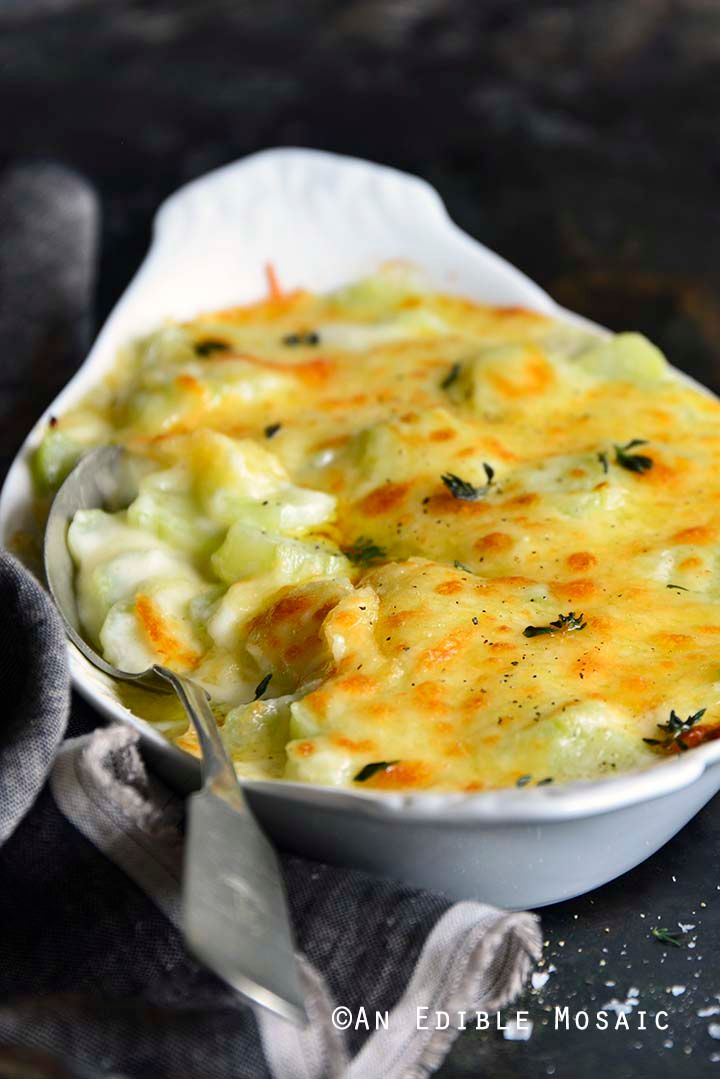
(411, 652)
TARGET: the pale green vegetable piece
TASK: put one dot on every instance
(125, 642)
(293, 509)
(583, 740)
(119, 578)
(573, 485)
(64, 443)
(248, 552)
(377, 295)
(54, 459)
(164, 348)
(113, 560)
(626, 356)
(227, 472)
(399, 327)
(166, 507)
(258, 732)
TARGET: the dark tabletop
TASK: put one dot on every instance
(580, 140)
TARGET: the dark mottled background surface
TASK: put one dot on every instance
(578, 139)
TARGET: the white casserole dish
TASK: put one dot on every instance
(323, 220)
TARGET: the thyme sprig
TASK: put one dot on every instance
(372, 769)
(633, 462)
(463, 489)
(564, 623)
(364, 552)
(667, 936)
(522, 781)
(262, 686)
(452, 376)
(210, 345)
(674, 730)
(292, 340)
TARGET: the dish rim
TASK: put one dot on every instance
(310, 172)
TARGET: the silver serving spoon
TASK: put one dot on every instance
(235, 916)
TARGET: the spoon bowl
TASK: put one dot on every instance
(235, 915)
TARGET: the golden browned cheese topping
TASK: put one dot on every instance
(446, 545)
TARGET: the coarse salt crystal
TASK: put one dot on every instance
(620, 1007)
(518, 1032)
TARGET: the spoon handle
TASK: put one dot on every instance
(235, 911)
(217, 767)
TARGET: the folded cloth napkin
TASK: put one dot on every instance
(366, 943)
(93, 970)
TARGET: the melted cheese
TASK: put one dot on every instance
(370, 497)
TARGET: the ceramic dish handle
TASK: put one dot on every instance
(214, 237)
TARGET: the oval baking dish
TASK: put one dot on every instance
(323, 220)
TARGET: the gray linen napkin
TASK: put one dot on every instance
(36, 692)
(48, 241)
(366, 943)
(93, 969)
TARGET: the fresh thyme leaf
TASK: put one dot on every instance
(262, 686)
(603, 459)
(667, 936)
(523, 781)
(452, 376)
(272, 429)
(460, 488)
(635, 442)
(633, 462)
(363, 552)
(465, 491)
(544, 782)
(292, 340)
(372, 769)
(674, 729)
(564, 623)
(210, 345)
(537, 631)
(461, 565)
(680, 587)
